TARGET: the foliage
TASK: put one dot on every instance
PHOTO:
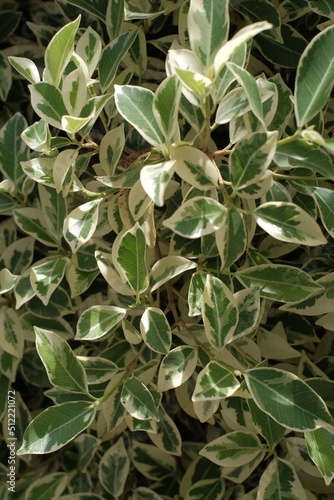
(167, 269)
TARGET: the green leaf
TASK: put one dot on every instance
(320, 302)
(56, 426)
(138, 400)
(47, 487)
(9, 20)
(195, 293)
(89, 48)
(259, 10)
(225, 53)
(280, 480)
(40, 170)
(152, 462)
(129, 258)
(37, 136)
(5, 77)
(315, 76)
(248, 83)
(62, 367)
(12, 148)
(251, 157)
(166, 105)
(177, 367)
(195, 167)
(54, 209)
(210, 489)
(231, 238)
(31, 221)
(48, 103)
(324, 199)
(135, 104)
(287, 399)
(80, 224)
(155, 330)
(98, 321)
(320, 445)
(248, 304)
(167, 436)
(279, 282)
(168, 268)
(11, 340)
(111, 148)
(267, 426)
(143, 493)
(46, 275)
(114, 18)
(233, 449)
(26, 68)
(59, 51)
(155, 179)
(97, 8)
(298, 153)
(196, 83)
(97, 369)
(220, 313)
(114, 469)
(288, 222)
(197, 217)
(214, 382)
(112, 56)
(74, 91)
(208, 27)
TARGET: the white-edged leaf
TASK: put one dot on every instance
(31, 221)
(248, 304)
(320, 445)
(98, 321)
(176, 367)
(63, 171)
(111, 57)
(40, 170)
(138, 400)
(47, 487)
(135, 104)
(48, 103)
(195, 83)
(271, 430)
(97, 369)
(114, 18)
(210, 489)
(26, 68)
(59, 51)
(37, 136)
(315, 76)
(46, 275)
(208, 26)
(155, 179)
(155, 330)
(74, 91)
(251, 157)
(12, 149)
(12, 337)
(80, 224)
(288, 222)
(167, 436)
(220, 313)
(129, 258)
(197, 217)
(214, 382)
(54, 208)
(143, 493)
(287, 399)
(195, 167)
(324, 199)
(195, 293)
(279, 282)
(114, 468)
(280, 478)
(111, 148)
(168, 268)
(110, 274)
(166, 105)
(89, 48)
(233, 449)
(56, 426)
(62, 367)
(231, 238)
(227, 50)
(152, 462)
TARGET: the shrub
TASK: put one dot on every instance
(167, 251)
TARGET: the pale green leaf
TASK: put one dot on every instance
(315, 76)
(135, 104)
(287, 399)
(214, 382)
(26, 68)
(138, 400)
(233, 449)
(62, 367)
(56, 426)
(59, 51)
(197, 217)
(196, 83)
(114, 468)
(220, 313)
(155, 330)
(279, 282)
(98, 321)
(177, 367)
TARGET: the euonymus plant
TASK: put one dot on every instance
(167, 269)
